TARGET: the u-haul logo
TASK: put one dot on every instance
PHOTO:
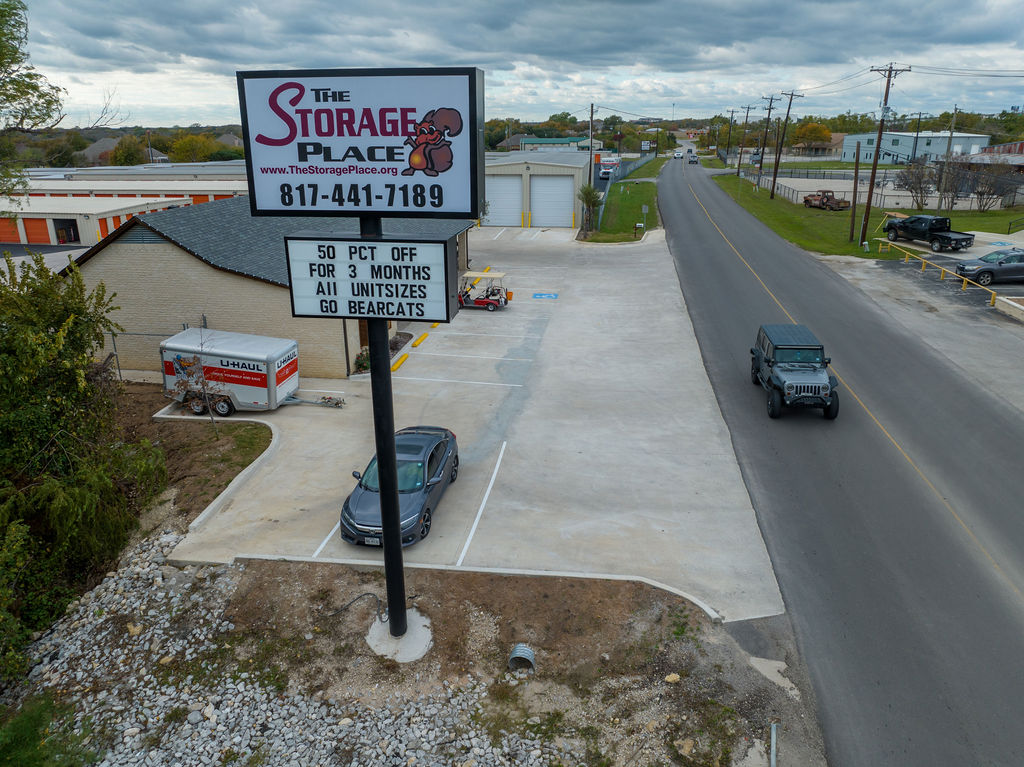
(240, 365)
(286, 359)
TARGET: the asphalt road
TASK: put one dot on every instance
(896, 531)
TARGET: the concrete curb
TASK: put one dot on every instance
(243, 476)
(713, 614)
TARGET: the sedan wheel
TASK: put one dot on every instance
(985, 278)
(455, 470)
(425, 521)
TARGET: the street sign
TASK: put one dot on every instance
(645, 146)
(357, 142)
(372, 279)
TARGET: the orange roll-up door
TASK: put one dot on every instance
(36, 231)
(104, 231)
(9, 230)
(198, 198)
(117, 221)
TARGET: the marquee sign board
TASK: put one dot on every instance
(351, 142)
(365, 279)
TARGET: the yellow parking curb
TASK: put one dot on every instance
(419, 340)
(398, 362)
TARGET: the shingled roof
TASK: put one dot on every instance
(226, 236)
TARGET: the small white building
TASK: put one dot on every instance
(535, 189)
(900, 147)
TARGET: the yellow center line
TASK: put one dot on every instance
(871, 415)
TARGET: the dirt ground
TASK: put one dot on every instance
(626, 673)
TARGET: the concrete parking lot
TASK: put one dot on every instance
(591, 442)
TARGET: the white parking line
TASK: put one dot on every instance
(537, 235)
(470, 356)
(452, 380)
(480, 511)
(491, 335)
(499, 234)
(329, 536)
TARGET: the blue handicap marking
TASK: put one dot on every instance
(1000, 244)
(545, 295)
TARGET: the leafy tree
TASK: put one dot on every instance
(193, 148)
(28, 101)
(69, 486)
(228, 153)
(129, 151)
(811, 132)
(591, 199)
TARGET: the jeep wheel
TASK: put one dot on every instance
(891, 234)
(774, 403)
(985, 278)
(831, 410)
(936, 246)
(753, 374)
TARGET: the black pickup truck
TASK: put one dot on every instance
(932, 229)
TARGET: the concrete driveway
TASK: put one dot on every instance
(591, 442)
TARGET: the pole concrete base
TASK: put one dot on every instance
(412, 645)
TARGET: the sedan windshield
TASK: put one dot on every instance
(997, 255)
(410, 476)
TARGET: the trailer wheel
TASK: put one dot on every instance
(223, 407)
(196, 405)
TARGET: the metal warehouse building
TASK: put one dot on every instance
(535, 189)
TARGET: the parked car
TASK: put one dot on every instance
(693, 159)
(997, 266)
(428, 461)
(790, 364)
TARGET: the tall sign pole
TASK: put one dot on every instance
(368, 144)
(889, 74)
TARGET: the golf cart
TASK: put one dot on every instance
(492, 294)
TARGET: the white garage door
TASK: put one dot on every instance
(504, 196)
(551, 201)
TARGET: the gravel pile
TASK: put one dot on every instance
(111, 655)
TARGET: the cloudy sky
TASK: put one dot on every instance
(174, 63)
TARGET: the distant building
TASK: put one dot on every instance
(93, 151)
(511, 144)
(229, 139)
(833, 148)
(902, 147)
(581, 143)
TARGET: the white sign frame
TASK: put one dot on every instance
(349, 277)
(364, 142)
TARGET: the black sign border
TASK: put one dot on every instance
(475, 79)
(451, 272)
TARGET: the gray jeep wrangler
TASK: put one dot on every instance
(790, 363)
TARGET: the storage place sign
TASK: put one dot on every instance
(367, 279)
(350, 142)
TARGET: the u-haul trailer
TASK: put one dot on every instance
(229, 371)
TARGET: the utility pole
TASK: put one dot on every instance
(917, 132)
(590, 166)
(944, 171)
(728, 140)
(739, 160)
(782, 139)
(767, 124)
(890, 73)
(856, 184)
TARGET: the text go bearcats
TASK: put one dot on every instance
(366, 279)
(355, 142)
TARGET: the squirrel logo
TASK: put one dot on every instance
(431, 149)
